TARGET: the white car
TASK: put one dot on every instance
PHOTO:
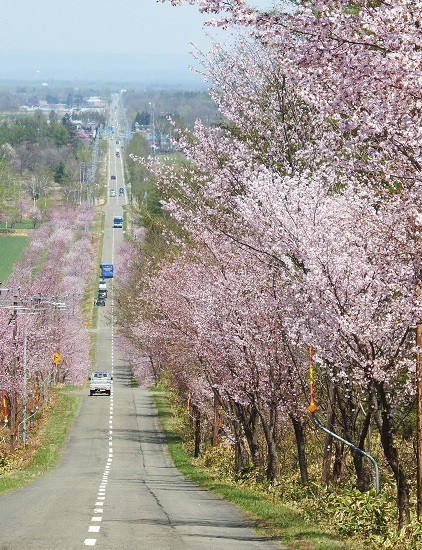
(100, 382)
(112, 192)
(102, 285)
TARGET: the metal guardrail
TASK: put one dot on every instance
(353, 447)
(25, 421)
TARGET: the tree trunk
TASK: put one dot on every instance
(273, 466)
(338, 462)
(328, 439)
(11, 407)
(392, 457)
(300, 443)
(154, 370)
(217, 420)
(241, 455)
(363, 472)
(357, 436)
(197, 427)
(238, 457)
(391, 454)
(249, 419)
(361, 463)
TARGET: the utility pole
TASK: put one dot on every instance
(419, 415)
(12, 399)
(21, 306)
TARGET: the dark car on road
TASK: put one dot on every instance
(102, 293)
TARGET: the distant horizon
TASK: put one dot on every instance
(146, 42)
(99, 67)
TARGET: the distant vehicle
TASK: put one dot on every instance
(102, 295)
(102, 289)
(112, 192)
(107, 270)
(117, 153)
(118, 222)
(99, 301)
(113, 177)
(100, 382)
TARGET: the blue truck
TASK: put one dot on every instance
(107, 271)
(118, 221)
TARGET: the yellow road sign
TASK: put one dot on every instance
(56, 357)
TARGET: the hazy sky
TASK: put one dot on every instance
(68, 30)
(119, 26)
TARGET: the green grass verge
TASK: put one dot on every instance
(11, 248)
(52, 435)
(273, 519)
(92, 289)
(125, 221)
(99, 222)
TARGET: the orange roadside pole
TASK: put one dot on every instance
(3, 400)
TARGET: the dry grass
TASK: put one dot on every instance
(44, 441)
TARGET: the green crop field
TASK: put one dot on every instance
(24, 224)
(11, 248)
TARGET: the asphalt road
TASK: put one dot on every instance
(115, 486)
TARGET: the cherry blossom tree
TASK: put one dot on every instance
(301, 224)
(358, 65)
(53, 270)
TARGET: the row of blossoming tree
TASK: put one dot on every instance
(43, 295)
(298, 224)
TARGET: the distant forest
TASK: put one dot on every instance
(182, 106)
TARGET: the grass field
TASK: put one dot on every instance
(48, 440)
(11, 248)
(24, 224)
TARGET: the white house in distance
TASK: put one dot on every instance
(96, 102)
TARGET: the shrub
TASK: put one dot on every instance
(363, 514)
(408, 538)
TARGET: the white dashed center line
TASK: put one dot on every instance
(99, 504)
